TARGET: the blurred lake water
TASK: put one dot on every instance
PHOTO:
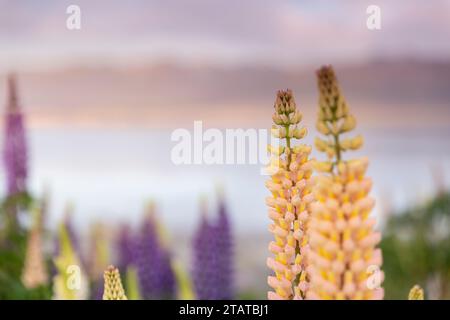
(109, 174)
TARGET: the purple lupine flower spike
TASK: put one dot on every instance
(213, 258)
(152, 260)
(202, 273)
(225, 250)
(15, 147)
(126, 247)
(98, 289)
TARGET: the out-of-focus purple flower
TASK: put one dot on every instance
(98, 289)
(225, 245)
(126, 247)
(204, 262)
(15, 147)
(213, 258)
(152, 260)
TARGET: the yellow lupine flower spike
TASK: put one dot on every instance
(343, 261)
(291, 195)
(416, 293)
(132, 284)
(113, 289)
(70, 282)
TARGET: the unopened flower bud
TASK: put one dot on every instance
(276, 119)
(348, 124)
(300, 133)
(320, 144)
(356, 142)
(322, 127)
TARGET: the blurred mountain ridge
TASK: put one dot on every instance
(408, 90)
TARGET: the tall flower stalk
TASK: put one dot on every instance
(225, 248)
(416, 293)
(203, 268)
(290, 185)
(70, 282)
(132, 284)
(98, 258)
(344, 262)
(126, 247)
(113, 285)
(35, 272)
(99, 254)
(212, 271)
(185, 289)
(15, 146)
(71, 231)
(153, 263)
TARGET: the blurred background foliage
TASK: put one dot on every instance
(13, 241)
(416, 250)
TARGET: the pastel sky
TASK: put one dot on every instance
(136, 62)
(33, 34)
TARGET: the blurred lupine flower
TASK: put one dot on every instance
(152, 261)
(132, 284)
(184, 284)
(343, 261)
(204, 264)
(126, 247)
(126, 250)
(289, 204)
(75, 243)
(68, 222)
(98, 258)
(224, 240)
(97, 289)
(70, 282)
(99, 253)
(416, 293)
(113, 285)
(212, 258)
(68, 225)
(15, 146)
(44, 205)
(34, 273)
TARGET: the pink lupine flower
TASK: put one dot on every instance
(290, 186)
(35, 272)
(343, 261)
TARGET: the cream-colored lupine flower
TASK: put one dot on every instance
(343, 261)
(70, 282)
(113, 289)
(34, 273)
(99, 253)
(416, 293)
(291, 195)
